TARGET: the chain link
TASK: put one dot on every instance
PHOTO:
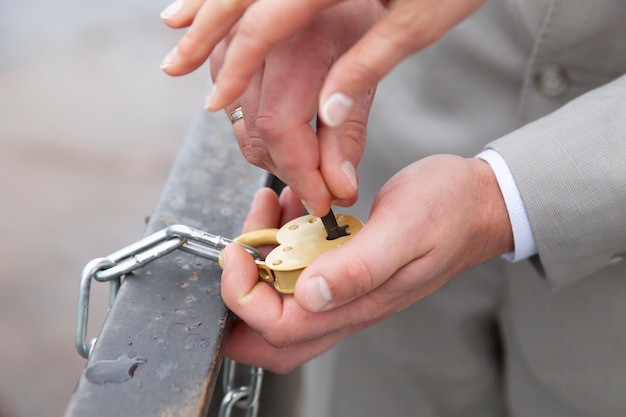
(245, 397)
(113, 267)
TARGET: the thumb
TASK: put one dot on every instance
(362, 67)
(341, 149)
(408, 27)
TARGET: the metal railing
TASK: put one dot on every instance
(159, 350)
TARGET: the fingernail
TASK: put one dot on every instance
(210, 99)
(223, 259)
(342, 203)
(172, 9)
(350, 172)
(167, 61)
(335, 109)
(307, 207)
(317, 293)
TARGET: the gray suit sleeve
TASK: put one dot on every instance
(570, 168)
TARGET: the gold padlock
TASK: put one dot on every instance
(299, 242)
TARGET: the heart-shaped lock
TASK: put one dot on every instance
(299, 242)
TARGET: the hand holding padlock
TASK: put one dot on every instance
(299, 242)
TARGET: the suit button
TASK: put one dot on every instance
(552, 80)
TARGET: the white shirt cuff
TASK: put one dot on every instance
(523, 237)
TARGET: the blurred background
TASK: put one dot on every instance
(89, 126)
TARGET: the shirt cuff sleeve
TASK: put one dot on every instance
(523, 237)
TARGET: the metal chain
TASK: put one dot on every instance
(126, 260)
(113, 267)
(245, 397)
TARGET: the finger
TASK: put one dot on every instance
(265, 211)
(252, 146)
(341, 150)
(211, 23)
(217, 57)
(181, 13)
(278, 319)
(290, 204)
(409, 26)
(284, 117)
(362, 67)
(270, 211)
(240, 287)
(264, 24)
(245, 345)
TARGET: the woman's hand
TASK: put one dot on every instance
(407, 27)
(284, 61)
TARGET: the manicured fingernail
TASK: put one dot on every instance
(342, 203)
(335, 109)
(350, 172)
(210, 99)
(167, 61)
(317, 293)
(171, 10)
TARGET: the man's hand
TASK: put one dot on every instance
(431, 221)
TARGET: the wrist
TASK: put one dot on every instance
(523, 237)
(497, 231)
